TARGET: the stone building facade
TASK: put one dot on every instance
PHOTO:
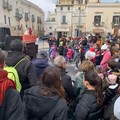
(73, 17)
(21, 14)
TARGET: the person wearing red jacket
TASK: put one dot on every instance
(10, 100)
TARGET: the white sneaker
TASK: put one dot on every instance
(76, 68)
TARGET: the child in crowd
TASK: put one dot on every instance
(70, 53)
(53, 51)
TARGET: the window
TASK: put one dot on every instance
(64, 19)
(97, 20)
(17, 12)
(53, 19)
(80, 1)
(116, 20)
(38, 28)
(9, 20)
(5, 19)
(26, 16)
(68, 8)
(61, 8)
(86, 1)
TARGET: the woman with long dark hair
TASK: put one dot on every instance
(90, 103)
(46, 101)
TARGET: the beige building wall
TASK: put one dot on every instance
(24, 7)
(50, 24)
(106, 11)
(83, 19)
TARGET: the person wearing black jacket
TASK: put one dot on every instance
(90, 103)
(25, 69)
(46, 101)
(60, 63)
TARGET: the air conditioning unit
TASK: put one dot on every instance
(5, 4)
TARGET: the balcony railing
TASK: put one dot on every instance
(9, 8)
(50, 20)
(64, 23)
(100, 24)
(5, 4)
(115, 25)
(18, 16)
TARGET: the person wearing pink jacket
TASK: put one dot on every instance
(106, 56)
(69, 53)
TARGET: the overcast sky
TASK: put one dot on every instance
(49, 5)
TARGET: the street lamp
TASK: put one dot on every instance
(79, 20)
(72, 2)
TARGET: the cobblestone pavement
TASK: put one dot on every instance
(43, 45)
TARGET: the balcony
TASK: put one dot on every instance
(26, 16)
(33, 18)
(100, 24)
(5, 4)
(115, 25)
(64, 23)
(18, 16)
(9, 8)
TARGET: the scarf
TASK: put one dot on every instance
(5, 83)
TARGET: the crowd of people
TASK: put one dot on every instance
(41, 89)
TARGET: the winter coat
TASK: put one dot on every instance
(70, 53)
(60, 50)
(106, 57)
(117, 108)
(25, 69)
(40, 64)
(79, 82)
(110, 97)
(39, 107)
(11, 108)
(67, 83)
(87, 106)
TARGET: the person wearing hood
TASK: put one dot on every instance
(10, 100)
(46, 101)
(25, 69)
(41, 62)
